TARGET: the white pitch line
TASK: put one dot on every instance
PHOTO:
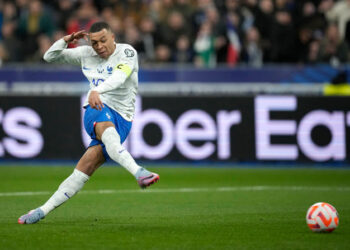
(188, 190)
(24, 193)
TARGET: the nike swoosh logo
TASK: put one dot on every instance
(67, 195)
(121, 151)
(85, 68)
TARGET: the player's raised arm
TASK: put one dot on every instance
(58, 52)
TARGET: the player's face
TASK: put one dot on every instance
(103, 43)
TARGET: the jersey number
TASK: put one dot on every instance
(96, 82)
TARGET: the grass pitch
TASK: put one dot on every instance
(190, 208)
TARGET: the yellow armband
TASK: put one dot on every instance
(125, 68)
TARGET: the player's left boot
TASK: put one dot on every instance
(32, 217)
(146, 178)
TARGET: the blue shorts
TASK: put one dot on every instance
(93, 116)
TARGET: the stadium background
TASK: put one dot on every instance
(224, 81)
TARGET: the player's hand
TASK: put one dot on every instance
(95, 101)
(76, 36)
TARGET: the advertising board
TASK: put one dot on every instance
(225, 129)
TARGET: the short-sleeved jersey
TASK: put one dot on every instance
(119, 72)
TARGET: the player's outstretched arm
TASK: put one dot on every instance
(59, 53)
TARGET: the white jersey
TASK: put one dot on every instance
(115, 78)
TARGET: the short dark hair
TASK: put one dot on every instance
(98, 26)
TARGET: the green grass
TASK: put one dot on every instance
(204, 217)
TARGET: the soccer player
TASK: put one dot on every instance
(112, 70)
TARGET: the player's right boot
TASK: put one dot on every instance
(146, 178)
(32, 217)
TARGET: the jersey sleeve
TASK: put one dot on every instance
(126, 65)
(59, 53)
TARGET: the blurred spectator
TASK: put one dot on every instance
(203, 32)
(102, 4)
(156, 10)
(312, 55)
(185, 8)
(174, 27)
(107, 14)
(234, 41)
(303, 41)
(82, 19)
(247, 15)
(58, 35)
(117, 28)
(44, 43)
(134, 9)
(281, 5)
(10, 44)
(32, 23)
(220, 32)
(167, 7)
(148, 31)
(340, 13)
(133, 37)
(311, 23)
(199, 15)
(232, 5)
(332, 49)
(311, 19)
(184, 52)
(283, 38)
(163, 54)
(22, 7)
(65, 9)
(252, 52)
(324, 6)
(114, 22)
(264, 21)
(204, 46)
(8, 13)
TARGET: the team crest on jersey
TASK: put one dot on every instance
(109, 69)
(129, 53)
(100, 70)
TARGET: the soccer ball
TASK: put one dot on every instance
(322, 217)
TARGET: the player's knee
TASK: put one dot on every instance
(110, 135)
(115, 146)
(101, 127)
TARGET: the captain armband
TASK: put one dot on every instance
(125, 68)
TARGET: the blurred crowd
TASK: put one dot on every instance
(205, 33)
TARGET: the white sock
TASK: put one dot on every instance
(117, 152)
(68, 188)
